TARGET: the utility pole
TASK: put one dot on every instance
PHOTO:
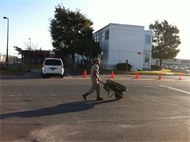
(7, 39)
(30, 42)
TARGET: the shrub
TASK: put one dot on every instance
(154, 67)
(122, 66)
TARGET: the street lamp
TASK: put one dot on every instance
(30, 42)
(7, 38)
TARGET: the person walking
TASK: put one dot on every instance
(95, 80)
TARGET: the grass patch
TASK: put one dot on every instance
(13, 70)
(26, 67)
(166, 70)
(147, 72)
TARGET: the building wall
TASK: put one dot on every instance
(171, 62)
(2, 58)
(104, 44)
(147, 50)
(11, 59)
(38, 56)
(126, 43)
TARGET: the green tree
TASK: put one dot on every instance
(18, 49)
(88, 48)
(68, 27)
(165, 40)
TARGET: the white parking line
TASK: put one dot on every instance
(69, 75)
(175, 89)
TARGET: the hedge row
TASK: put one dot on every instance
(122, 66)
(154, 67)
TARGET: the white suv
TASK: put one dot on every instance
(172, 66)
(164, 66)
(53, 66)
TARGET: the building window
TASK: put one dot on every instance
(147, 39)
(147, 58)
(97, 38)
(107, 35)
(103, 36)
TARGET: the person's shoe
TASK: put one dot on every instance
(85, 96)
(99, 98)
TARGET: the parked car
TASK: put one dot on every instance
(172, 66)
(179, 67)
(52, 66)
(164, 66)
(185, 67)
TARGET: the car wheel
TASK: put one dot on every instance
(43, 75)
(61, 76)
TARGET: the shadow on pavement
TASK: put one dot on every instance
(59, 109)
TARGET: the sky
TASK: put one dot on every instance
(31, 19)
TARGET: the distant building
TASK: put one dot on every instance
(38, 56)
(125, 42)
(11, 59)
(170, 62)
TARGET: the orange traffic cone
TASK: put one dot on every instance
(137, 76)
(112, 76)
(85, 73)
(180, 77)
(159, 76)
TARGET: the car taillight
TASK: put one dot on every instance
(62, 67)
(52, 59)
(43, 67)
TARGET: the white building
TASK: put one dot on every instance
(125, 42)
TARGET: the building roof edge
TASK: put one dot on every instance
(117, 24)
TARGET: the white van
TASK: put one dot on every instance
(53, 66)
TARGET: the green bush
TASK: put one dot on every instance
(154, 67)
(122, 66)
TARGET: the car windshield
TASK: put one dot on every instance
(53, 62)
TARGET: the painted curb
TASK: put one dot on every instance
(126, 73)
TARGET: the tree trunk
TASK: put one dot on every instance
(160, 64)
(73, 60)
(73, 55)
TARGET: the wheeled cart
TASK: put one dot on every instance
(117, 88)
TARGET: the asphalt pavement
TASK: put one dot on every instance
(52, 109)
